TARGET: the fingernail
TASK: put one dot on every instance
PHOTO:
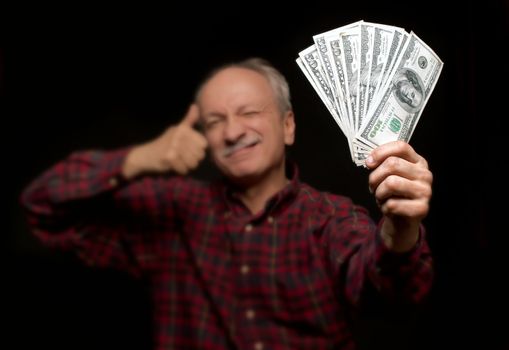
(370, 160)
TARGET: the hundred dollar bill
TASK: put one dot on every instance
(398, 42)
(324, 99)
(374, 79)
(349, 43)
(401, 102)
(329, 51)
(367, 36)
(310, 79)
(382, 42)
(311, 61)
(322, 50)
(335, 53)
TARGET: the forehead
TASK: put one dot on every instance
(235, 84)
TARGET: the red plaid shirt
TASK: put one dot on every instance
(221, 277)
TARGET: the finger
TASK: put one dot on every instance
(172, 160)
(199, 140)
(400, 167)
(191, 159)
(180, 167)
(399, 149)
(192, 116)
(198, 153)
(411, 208)
(396, 186)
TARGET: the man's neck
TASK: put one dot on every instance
(256, 195)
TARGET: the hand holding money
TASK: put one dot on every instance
(374, 79)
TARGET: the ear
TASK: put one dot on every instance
(289, 128)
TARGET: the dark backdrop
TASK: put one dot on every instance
(97, 77)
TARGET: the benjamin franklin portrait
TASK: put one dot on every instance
(408, 90)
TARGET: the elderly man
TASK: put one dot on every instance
(256, 259)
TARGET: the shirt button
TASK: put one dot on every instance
(248, 228)
(244, 269)
(270, 219)
(227, 214)
(250, 314)
(113, 181)
(258, 345)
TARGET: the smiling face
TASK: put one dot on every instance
(244, 125)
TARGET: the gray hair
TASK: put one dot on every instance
(276, 80)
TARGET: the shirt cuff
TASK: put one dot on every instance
(389, 262)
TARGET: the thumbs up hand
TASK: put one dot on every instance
(180, 148)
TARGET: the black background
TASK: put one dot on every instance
(105, 77)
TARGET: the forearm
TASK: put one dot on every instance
(133, 164)
(84, 204)
(50, 199)
(400, 277)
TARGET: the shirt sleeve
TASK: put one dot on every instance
(83, 203)
(404, 276)
(363, 262)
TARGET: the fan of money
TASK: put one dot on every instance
(374, 79)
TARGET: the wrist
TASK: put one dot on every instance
(133, 165)
(398, 235)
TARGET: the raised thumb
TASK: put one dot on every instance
(192, 116)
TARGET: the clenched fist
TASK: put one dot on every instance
(179, 149)
(402, 184)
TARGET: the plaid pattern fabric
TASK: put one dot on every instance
(221, 277)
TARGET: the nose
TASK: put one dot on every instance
(234, 130)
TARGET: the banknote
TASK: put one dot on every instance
(328, 48)
(404, 96)
(374, 79)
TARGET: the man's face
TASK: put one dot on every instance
(243, 124)
(409, 94)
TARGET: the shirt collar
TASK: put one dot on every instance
(291, 189)
(277, 201)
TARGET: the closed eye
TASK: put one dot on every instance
(212, 122)
(250, 113)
